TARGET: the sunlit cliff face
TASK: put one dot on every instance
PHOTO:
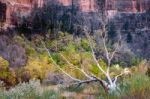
(84, 5)
(88, 5)
(112, 6)
(128, 5)
(66, 2)
(118, 5)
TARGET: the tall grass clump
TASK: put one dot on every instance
(136, 87)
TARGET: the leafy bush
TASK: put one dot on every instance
(85, 44)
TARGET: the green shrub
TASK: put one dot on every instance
(85, 44)
(56, 57)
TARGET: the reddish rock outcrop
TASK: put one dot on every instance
(88, 5)
(20, 7)
(84, 5)
(66, 2)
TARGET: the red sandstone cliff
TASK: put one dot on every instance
(25, 6)
(119, 5)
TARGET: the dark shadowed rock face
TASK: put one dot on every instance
(2, 12)
(135, 29)
(13, 52)
(128, 5)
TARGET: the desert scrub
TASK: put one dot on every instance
(28, 45)
(30, 90)
(23, 91)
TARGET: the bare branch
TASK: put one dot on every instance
(94, 79)
(126, 71)
(93, 54)
(106, 52)
(117, 47)
(116, 77)
(86, 81)
(96, 61)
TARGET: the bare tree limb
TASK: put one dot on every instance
(93, 54)
(116, 77)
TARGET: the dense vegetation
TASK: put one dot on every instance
(42, 56)
(53, 83)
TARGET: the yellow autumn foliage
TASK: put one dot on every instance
(39, 67)
(3, 63)
(7, 75)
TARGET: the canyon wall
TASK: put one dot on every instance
(24, 7)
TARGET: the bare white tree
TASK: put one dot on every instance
(110, 85)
